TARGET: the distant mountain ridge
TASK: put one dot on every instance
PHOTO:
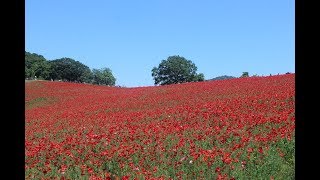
(221, 78)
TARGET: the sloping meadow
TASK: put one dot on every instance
(240, 128)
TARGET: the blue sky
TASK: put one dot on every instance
(131, 37)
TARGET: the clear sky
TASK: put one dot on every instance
(222, 37)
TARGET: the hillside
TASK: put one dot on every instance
(240, 128)
(221, 78)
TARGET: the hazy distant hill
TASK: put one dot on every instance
(221, 77)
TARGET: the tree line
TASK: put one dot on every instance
(65, 69)
(173, 70)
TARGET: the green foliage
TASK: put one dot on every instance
(103, 76)
(221, 78)
(199, 77)
(70, 70)
(271, 163)
(36, 65)
(65, 69)
(245, 74)
(175, 70)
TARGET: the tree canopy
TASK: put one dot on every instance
(36, 65)
(70, 70)
(176, 69)
(103, 76)
(245, 74)
(65, 69)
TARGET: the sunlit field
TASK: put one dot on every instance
(242, 128)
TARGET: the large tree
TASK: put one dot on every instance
(176, 69)
(103, 76)
(70, 70)
(36, 66)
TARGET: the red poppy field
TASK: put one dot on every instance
(242, 128)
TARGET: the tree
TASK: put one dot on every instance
(70, 70)
(36, 65)
(245, 74)
(199, 77)
(174, 70)
(103, 76)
